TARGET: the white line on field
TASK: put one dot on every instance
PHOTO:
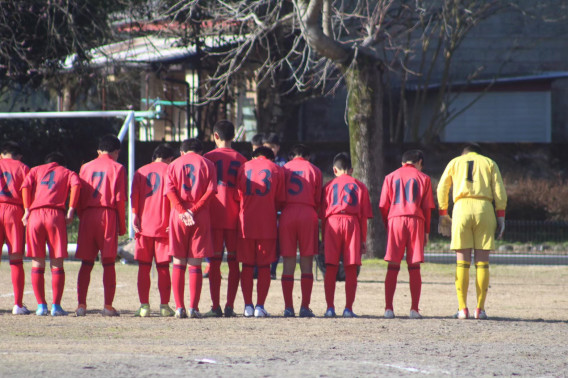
(410, 369)
(31, 292)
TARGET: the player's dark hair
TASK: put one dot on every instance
(55, 157)
(163, 151)
(342, 161)
(300, 150)
(191, 145)
(109, 143)
(263, 151)
(472, 147)
(272, 138)
(257, 140)
(413, 156)
(12, 148)
(225, 129)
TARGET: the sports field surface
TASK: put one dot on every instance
(527, 333)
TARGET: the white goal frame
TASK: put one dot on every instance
(127, 127)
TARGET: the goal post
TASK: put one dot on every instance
(127, 128)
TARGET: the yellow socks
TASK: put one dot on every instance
(482, 283)
(462, 282)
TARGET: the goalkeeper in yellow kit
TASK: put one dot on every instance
(476, 183)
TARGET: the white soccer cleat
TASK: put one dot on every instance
(17, 310)
(389, 314)
(260, 312)
(480, 314)
(462, 314)
(414, 315)
(249, 311)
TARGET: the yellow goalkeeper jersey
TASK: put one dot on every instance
(472, 176)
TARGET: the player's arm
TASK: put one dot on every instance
(134, 199)
(27, 201)
(385, 201)
(73, 202)
(500, 198)
(443, 192)
(209, 193)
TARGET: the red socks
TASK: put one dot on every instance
(57, 284)
(38, 284)
(83, 280)
(178, 285)
(306, 283)
(164, 282)
(415, 284)
(390, 285)
(247, 283)
(233, 279)
(262, 284)
(18, 280)
(215, 280)
(329, 284)
(350, 285)
(195, 284)
(109, 280)
(144, 281)
(287, 289)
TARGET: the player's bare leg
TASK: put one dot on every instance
(463, 257)
(18, 282)
(481, 258)
(195, 285)
(287, 279)
(390, 287)
(57, 286)
(178, 286)
(38, 284)
(306, 284)
(83, 281)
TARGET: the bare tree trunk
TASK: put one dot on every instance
(365, 116)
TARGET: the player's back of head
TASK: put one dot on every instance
(225, 129)
(163, 151)
(413, 156)
(257, 140)
(55, 157)
(472, 147)
(300, 150)
(191, 145)
(263, 151)
(109, 143)
(342, 161)
(12, 148)
(272, 138)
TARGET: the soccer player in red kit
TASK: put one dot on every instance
(102, 208)
(260, 189)
(345, 209)
(191, 183)
(406, 203)
(299, 226)
(44, 193)
(12, 175)
(224, 218)
(150, 218)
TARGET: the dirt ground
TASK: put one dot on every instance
(526, 335)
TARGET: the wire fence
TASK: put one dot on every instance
(524, 242)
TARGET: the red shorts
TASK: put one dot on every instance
(298, 225)
(147, 248)
(191, 242)
(11, 227)
(259, 252)
(342, 238)
(223, 238)
(98, 231)
(405, 233)
(47, 225)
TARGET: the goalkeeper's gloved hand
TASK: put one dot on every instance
(445, 225)
(500, 227)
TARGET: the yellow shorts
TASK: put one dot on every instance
(473, 224)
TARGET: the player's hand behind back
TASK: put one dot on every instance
(445, 225)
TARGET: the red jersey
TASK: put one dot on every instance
(224, 207)
(260, 187)
(407, 192)
(346, 195)
(189, 177)
(303, 183)
(12, 175)
(103, 183)
(49, 185)
(148, 200)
